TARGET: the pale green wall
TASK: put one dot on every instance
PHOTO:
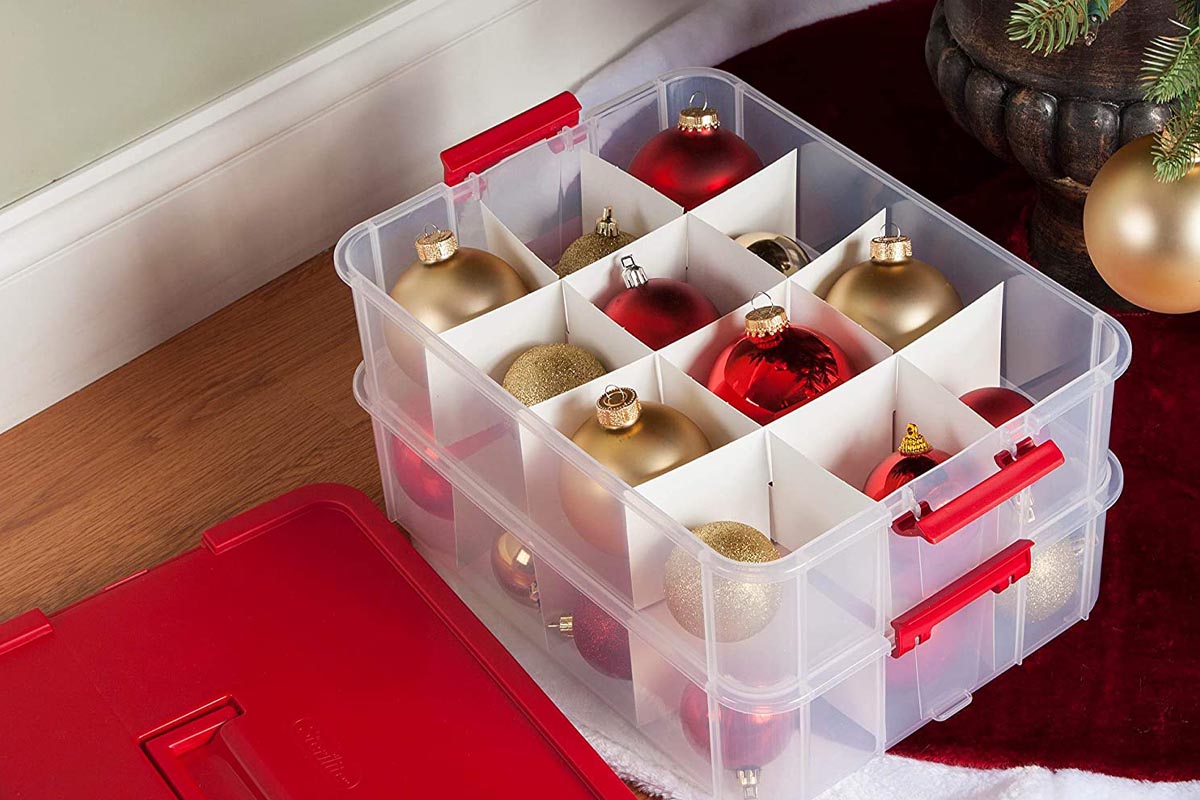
(81, 78)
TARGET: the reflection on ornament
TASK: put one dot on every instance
(913, 458)
(742, 609)
(696, 160)
(782, 252)
(637, 441)
(996, 404)
(1142, 234)
(512, 564)
(605, 240)
(658, 310)
(775, 367)
(1054, 577)
(421, 482)
(749, 740)
(547, 370)
(894, 296)
(601, 640)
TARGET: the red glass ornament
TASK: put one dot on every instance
(658, 311)
(695, 160)
(601, 640)
(749, 740)
(996, 404)
(913, 458)
(421, 482)
(775, 367)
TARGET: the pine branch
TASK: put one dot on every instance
(1051, 26)
(1175, 149)
(1189, 11)
(1171, 67)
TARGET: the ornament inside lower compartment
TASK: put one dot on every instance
(658, 311)
(513, 567)
(996, 404)
(913, 458)
(601, 641)
(423, 484)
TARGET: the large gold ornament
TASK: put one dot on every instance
(1054, 576)
(637, 441)
(546, 370)
(605, 240)
(1142, 234)
(512, 564)
(742, 609)
(894, 296)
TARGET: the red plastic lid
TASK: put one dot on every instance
(304, 650)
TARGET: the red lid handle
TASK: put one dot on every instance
(497, 143)
(997, 573)
(1031, 464)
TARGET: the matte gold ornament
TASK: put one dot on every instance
(782, 252)
(546, 370)
(894, 296)
(742, 609)
(1054, 576)
(1142, 234)
(637, 441)
(512, 564)
(605, 240)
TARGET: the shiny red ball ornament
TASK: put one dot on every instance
(421, 482)
(996, 404)
(658, 311)
(776, 367)
(601, 640)
(749, 740)
(913, 458)
(695, 160)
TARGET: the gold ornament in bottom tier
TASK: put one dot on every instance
(742, 609)
(637, 441)
(1142, 234)
(547, 370)
(1054, 576)
(512, 564)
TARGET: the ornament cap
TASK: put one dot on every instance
(699, 117)
(436, 246)
(618, 408)
(632, 273)
(913, 443)
(891, 249)
(565, 625)
(607, 225)
(748, 779)
(765, 321)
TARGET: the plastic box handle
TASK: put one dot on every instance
(488, 148)
(997, 573)
(1017, 473)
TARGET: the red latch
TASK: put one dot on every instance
(1017, 473)
(997, 573)
(497, 143)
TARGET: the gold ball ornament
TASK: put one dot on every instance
(605, 240)
(635, 440)
(1054, 576)
(894, 296)
(742, 609)
(782, 252)
(512, 564)
(546, 370)
(1142, 234)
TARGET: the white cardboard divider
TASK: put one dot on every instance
(819, 276)
(638, 208)
(504, 243)
(686, 249)
(963, 353)
(766, 201)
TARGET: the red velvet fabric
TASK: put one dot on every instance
(1119, 693)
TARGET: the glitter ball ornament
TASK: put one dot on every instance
(742, 609)
(750, 740)
(547, 370)
(996, 404)
(421, 482)
(695, 160)
(894, 296)
(782, 252)
(512, 564)
(1054, 576)
(601, 640)
(775, 367)
(913, 458)
(605, 240)
(637, 441)
(658, 311)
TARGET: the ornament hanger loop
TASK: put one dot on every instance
(429, 227)
(889, 224)
(692, 99)
(767, 297)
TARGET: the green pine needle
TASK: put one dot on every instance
(1051, 26)
(1171, 67)
(1176, 148)
(1189, 11)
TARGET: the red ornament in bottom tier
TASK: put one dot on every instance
(658, 311)
(776, 367)
(996, 404)
(421, 482)
(913, 458)
(601, 640)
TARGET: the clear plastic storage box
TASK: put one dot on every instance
(886, 614)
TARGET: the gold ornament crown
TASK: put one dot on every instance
(891, 249)
(436, 245)
(606, 225)
(618, 408)
(699, 118)
(913, 443)
(765, 321)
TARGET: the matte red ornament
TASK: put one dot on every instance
(658, 311)
(996, 404)
(421, 482)
(749, 740)
(913, 458)
(695, 160)
(601, 640)
(776, 367)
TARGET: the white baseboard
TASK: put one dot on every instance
(99, 267)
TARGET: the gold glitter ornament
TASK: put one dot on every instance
(743, 609)
(1054, 576)
(546, 370)
(605, 240)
